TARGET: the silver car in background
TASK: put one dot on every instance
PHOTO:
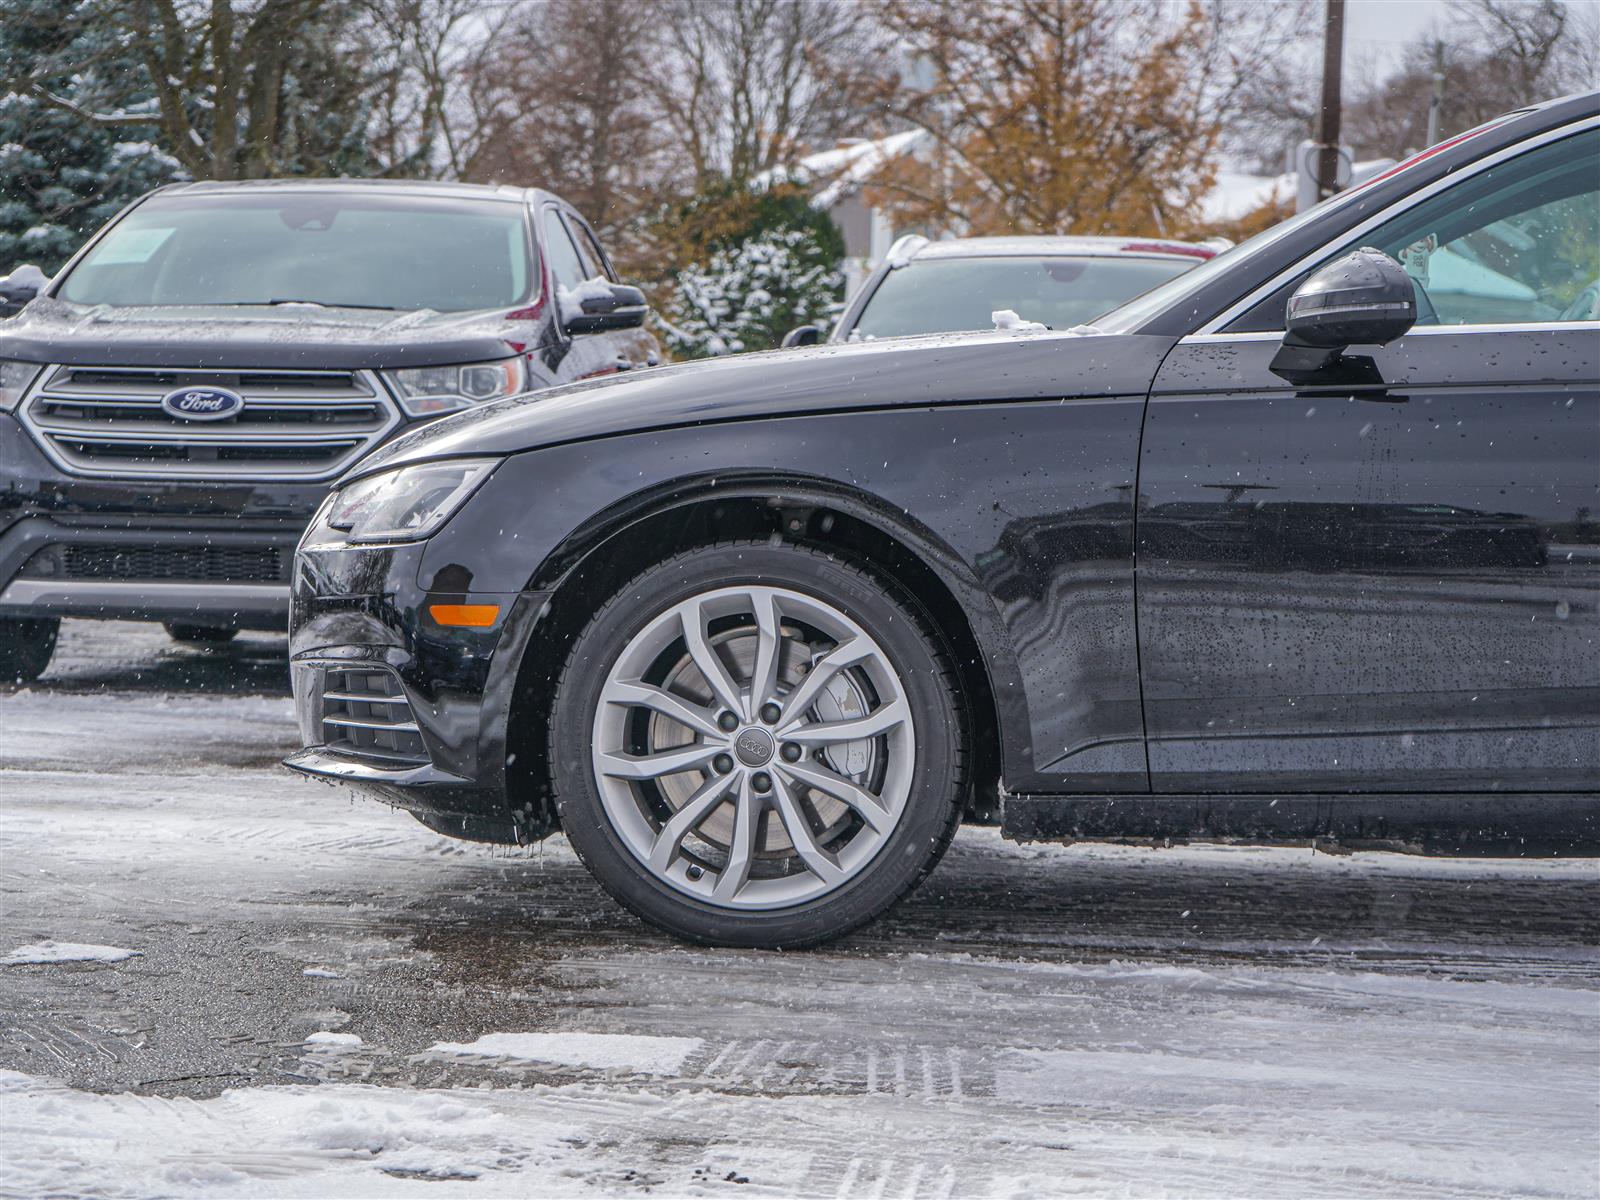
(960, 284)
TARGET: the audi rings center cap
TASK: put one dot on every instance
(754, 747)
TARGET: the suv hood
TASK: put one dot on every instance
(255, 336)
(913, 372)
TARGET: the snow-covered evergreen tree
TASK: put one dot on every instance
(61, 176)
(751, 264)
(746, 297)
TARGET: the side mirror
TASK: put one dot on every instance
(16, 289)
(802, 335)
(1364, 298)
(596, 305)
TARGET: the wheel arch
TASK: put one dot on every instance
(653, 525)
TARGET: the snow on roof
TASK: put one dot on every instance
(1237, 195)
(846, 167)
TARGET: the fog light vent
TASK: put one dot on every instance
(364, 713)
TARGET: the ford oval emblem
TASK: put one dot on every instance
(202, 403)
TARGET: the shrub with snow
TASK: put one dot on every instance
(746, 297)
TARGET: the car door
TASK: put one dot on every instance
(583, 355)
(1386, 579)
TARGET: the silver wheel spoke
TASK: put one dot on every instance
(631, 691)
(769, 641)
(845, 654)
(832, 783)
(742, 851)
(823, 865)
(662, 727)
(830, 733)
(694, 810)
(654, 766)
(705, 658)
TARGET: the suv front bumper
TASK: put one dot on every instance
(50, 569)
(204, 553)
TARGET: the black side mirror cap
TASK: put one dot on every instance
(1364, 298)
(802, 335)
(595, 306)
(19, 287)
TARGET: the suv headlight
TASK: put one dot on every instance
(431, 391)
(14, 380)
(405, 505)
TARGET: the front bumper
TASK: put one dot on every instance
(406, 710)
(206, 553)
(50, 568)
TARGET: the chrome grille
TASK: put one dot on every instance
(365, 713)
(304, 425)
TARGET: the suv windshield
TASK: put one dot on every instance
(954, 294)
(340, 249)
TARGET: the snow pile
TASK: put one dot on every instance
(733, 302)
(323, 1039)
(27, 275)
(638, 1054)
(337, 1139)
(1005, 318)
(65, 952)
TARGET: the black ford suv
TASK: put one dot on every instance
(176, 402)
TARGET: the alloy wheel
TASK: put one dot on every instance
(753, 747)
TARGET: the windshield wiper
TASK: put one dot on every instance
(325, 304)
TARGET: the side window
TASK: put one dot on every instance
(1516, 244)
(565, 264)
(594, 258)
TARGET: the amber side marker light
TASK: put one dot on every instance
(472, 616)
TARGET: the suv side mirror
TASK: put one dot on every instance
(596, 305)
(16, 289)
(1364, 298)
(802, 335)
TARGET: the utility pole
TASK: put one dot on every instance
(1328, 115)
(1436, 100)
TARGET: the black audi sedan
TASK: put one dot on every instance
(1303, 545)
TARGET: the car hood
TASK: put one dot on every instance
(913, 372)
(256, 336)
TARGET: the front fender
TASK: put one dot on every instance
(1023, 510)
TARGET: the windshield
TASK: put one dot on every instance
(955, 294)
(1129, 317)
(340, 249)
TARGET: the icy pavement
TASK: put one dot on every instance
(1036, 1021)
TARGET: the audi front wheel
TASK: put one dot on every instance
(757, 745)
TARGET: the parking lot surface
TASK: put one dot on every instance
(282, 990)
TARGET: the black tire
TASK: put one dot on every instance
(932, 810)
(199, 635)
(26, 644)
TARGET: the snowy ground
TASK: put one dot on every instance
(325, 999)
